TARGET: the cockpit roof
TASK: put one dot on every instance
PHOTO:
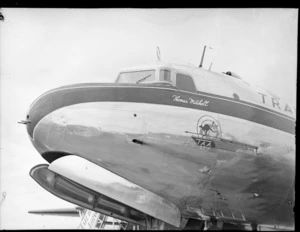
(188, 69)
(158, 65)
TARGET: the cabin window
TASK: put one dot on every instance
(137, 76)
(185, 82)
(165, 75)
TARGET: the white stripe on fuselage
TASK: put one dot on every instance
(141, 118)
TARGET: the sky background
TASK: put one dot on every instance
(41, 49)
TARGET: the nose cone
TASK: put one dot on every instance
(42, 109)
(62, 97)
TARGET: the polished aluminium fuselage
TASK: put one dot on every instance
(150, 135)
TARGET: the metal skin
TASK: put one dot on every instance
(151, 145)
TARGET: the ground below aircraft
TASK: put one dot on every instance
(169, 146)
(89, 219)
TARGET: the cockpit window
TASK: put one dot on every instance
(185, 82)
(165, 75)
(137, 76)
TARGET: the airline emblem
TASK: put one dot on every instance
(208, 126)
(204, 142)
(209, 135)
(208, 129)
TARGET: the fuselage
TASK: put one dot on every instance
(199, 139)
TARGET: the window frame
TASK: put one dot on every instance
(185, 74)
(132, 71)
(165, 69)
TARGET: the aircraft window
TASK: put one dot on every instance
(165, 75)
(137, 76)
(185, 82)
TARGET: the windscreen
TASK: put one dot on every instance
(137, 77)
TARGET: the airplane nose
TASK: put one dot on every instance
(62, 97)
(39, 120)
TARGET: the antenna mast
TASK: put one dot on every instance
(202, 58)
(158, 53)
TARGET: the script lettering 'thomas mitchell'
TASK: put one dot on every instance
(201, 102)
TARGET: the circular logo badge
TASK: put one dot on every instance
(207, 126)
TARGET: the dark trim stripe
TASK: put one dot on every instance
(69, 95)
(163, 86)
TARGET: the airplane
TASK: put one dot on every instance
(169, 146)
